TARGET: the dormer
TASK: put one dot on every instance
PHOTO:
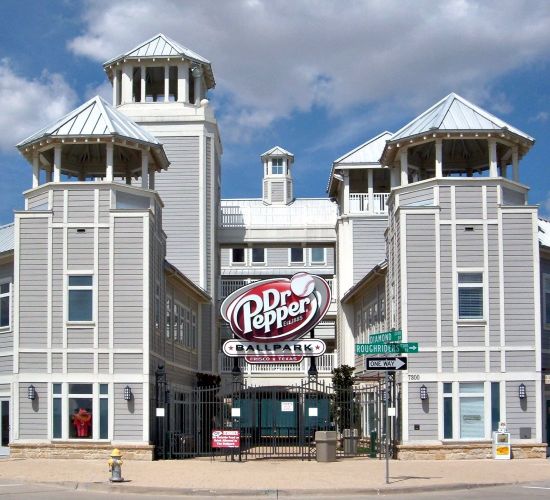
(277, 181)
(159, 70)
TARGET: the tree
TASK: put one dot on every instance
(343, 397)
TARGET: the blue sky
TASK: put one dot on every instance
(314, 77)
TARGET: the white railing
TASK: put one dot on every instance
(359, 203)
(325, 364)
(228, 286)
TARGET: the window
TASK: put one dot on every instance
(5, 299)
(80, 298)
(176, 322)
(168, 325)
(79, 405)
(472, 419)
(546, 300)
(495, 405)
(154, 84)
(258, 256)
(296, 255)
(470, 295)
(447, 410)
(237, 256)
(277, 166)
(317, 255)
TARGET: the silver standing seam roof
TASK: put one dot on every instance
(95, 117)
(6, 238)
(454, 113)
(162, 46)
(277, 151)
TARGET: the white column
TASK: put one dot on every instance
(346, 191)
(35, 170)
(152, 178)
(57, 163)
(197, 75)
(438, 158)
(126, 84)
(109, 162)
(115, 87)
(166, 82)
(370, 178)
(493, 158)
(183, 81)
(404, 167)
(515, 164)
(142, 70)
(144, 168)
(394, 177)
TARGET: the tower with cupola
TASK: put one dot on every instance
(163, 86)
(277, 182)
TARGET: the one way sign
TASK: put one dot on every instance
(390, 364)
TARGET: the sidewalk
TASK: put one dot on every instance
(350, 476)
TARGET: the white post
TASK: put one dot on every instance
(109, 162)
(515, 164)
(439, 158)
(126, 84)
(57, 163)
(346, 191)
(197, 75)
(35, 169)
(144, 168)
(370, 178)
(493, 158)
(115, 87)
(142, 70)
(183, 81)
(394, 177)
(166, 82)
(404, 167)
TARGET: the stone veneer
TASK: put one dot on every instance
(80, 450)
(466, 451)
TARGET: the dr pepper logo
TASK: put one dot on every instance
(277, 309)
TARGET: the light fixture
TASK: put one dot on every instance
(423, 392)
(127, 393)
(31, 392)
(521, 391)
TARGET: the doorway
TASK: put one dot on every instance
(4, 427)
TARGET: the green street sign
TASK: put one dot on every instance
(380, 338)
(406, 347)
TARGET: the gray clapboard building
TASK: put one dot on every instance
(115, 269)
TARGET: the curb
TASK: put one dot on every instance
(275, 493)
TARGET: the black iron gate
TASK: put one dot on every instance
(273, 421)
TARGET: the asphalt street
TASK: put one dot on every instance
(12, 490)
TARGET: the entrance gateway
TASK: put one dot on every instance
(270, 320)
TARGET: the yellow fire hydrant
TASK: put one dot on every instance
(115, 466)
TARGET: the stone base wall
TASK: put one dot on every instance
(80, 450)
(465, 451)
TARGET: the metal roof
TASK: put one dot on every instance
(277, 151)
(367, 153)
(544, 232)
(454, 113)
(162, 46)
(6, 238)
(95, 117)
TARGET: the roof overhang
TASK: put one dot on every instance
(376, 272)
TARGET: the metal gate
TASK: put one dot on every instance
(273, 421)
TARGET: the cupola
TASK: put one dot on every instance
(277, 181)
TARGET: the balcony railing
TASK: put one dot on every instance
(324, 363)
(359, 203)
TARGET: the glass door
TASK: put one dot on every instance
(4, 426)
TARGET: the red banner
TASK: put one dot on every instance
(226, 439)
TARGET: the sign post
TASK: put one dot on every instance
(387, 389)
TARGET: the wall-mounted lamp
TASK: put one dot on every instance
(31, 392)
(423, 392)
(521, 391)
(127, 393)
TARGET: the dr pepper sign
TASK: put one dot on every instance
(270, 317)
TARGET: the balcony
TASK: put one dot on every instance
(325, 364)
(359, 203)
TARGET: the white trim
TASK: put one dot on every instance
(454, 276)
(202, 209)
(502, 311)
(292, 263)
(146, 295)
(438, 289)
(317, 263)
(251, 255)
(405, 409)
(96, 275)
(111, 290)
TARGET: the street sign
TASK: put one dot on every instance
(380, 338)
(391, 364)
(406, 347)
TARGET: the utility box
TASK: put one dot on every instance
(502, 449)
(326, 446)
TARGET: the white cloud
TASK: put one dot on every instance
(541, 116)
(30, 104)
(273, 58)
